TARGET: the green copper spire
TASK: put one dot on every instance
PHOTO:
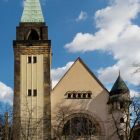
(32, 11)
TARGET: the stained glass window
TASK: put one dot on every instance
(79, 126)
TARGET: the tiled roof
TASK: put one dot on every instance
(119, 87)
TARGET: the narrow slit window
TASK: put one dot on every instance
(122, 137)
(79, 95)
(29, 92)
(121, 105)
(89, 95)
(74, 95)
(122, 120)
(34, 59)
(84, 95)
(34, 92)
(69, 95)
(29, 59)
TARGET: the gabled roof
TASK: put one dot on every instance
(119, 87)
(89, 71)
(32, 12)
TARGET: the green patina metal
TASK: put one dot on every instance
(32, 11)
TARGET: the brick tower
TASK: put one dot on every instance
(32, 84)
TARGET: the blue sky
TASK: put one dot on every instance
(104, 33)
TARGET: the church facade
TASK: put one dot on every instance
(82, 108)
(79, 107)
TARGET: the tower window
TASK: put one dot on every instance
(121, 137)
(34, 59)
(33, 35)
(29, 59)
(34, 92)
(122, 120)
(29, 92)
(121, 105)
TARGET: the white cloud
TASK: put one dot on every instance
(6, 93)
(57, 73)
(104, 74)
(134, 94)
(111, 21)
(82, 16)
(118, 35)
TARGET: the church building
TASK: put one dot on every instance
(79, 107)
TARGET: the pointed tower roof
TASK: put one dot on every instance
(119, 87)
(32, 12)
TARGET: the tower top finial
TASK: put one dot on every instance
(32, 12)
(119, 73)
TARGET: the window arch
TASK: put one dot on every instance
(122, 137)
(33, 35)
(80, 125)
(121, 120)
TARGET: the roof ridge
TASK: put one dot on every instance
(92, 74)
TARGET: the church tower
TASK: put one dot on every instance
(119, 103)
(32, 84)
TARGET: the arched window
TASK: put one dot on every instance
(33, 35)
(121, 120)
(121, 137)
(79, 126)
(121, 105)
(69, 95)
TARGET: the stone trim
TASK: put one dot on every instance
(16, 108)
(47, 101)
(32, 42)
(32, 24)
(31, 50)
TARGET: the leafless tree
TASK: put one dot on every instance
(63, 111)
(29, 125)
(71, 124)
(6, 121)
(126, 118)
(130, 112)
